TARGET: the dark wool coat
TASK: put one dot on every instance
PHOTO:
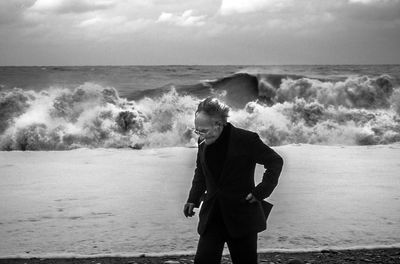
(245, 150)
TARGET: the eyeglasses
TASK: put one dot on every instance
(202, 132)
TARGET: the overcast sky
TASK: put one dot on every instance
(140, 32)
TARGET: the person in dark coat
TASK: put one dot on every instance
(223, 181)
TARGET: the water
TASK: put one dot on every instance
(133, 78)
(62, 108)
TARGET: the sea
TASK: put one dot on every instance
(98, 160)
(62, 108)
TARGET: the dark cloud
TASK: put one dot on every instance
(12, 11)
(372, 11)
(302, 31)
(71, 6)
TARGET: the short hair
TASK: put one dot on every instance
(214, 108)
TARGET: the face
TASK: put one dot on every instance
(207, 127)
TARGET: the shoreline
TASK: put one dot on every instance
(329, 256)
(173, 254)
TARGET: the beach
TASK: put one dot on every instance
(123, 201)
(384, 256)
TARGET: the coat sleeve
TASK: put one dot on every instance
(272, 162)
(198, 184)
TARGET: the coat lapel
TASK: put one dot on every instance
(206, 171)
(229, 152)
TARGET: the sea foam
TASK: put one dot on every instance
(92, 116)
(283, 109)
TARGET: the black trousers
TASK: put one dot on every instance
(243, 250)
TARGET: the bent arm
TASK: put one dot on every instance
(262, 154)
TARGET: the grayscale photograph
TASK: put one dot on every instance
(205, 132)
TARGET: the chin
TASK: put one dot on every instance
(209, 141)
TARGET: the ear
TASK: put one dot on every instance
(218, 123)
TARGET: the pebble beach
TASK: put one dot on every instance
(379, 255)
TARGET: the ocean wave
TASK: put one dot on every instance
(283, 109)
(92, 116)
(352, 92)
(313, 123)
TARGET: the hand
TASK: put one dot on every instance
(251, 198)
(188, 209)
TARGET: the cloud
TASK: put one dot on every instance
(227, 31)
(105, 28)
(186, 19)
(372, 12)
(90, 22)
(70, 6)
(12, 11)
(229, 7)
(367, 2)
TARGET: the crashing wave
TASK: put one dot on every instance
(90, 116)
(283, 109)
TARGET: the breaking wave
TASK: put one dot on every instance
(283, 109)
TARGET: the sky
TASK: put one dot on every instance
(163, 32)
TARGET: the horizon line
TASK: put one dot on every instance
(153, 65)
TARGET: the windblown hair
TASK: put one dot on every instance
(214, 108)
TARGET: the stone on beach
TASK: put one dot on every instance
(295, 261)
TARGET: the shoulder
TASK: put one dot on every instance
(243, 133)
(243, 139)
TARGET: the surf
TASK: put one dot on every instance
(282, 108)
